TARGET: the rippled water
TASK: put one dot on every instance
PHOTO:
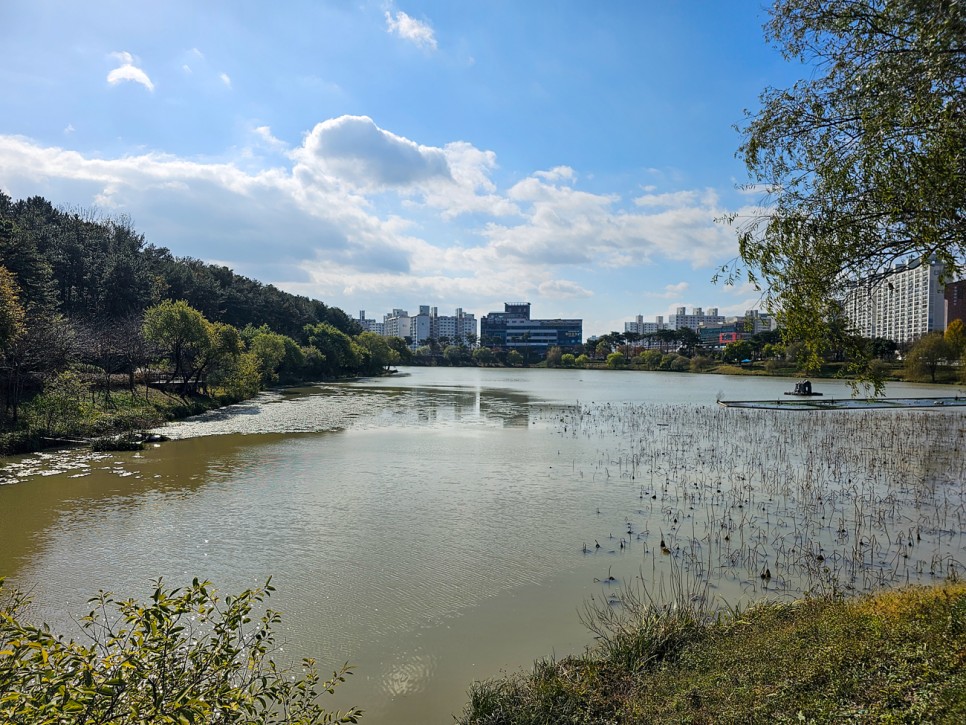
(441, 526)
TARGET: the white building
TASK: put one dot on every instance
(901, 304)
(645, 328)
(681, 318)
(458, 328)
(757, 321)
(697, 318)
(419, 328)
(396, 323)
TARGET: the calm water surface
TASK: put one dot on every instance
(446, 525)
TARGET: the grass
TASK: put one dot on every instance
(898, 656)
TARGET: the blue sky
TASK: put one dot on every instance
(390, 154)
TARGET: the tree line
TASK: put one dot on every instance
(88, 306)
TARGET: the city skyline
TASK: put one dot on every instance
(467, 155)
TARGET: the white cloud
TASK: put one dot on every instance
(675, 290)
(69, 129)
(415, 31)
(563, 289)
(672, 199)
(355, 210)
(354, 150)
(225, 78)
(128, 71)
(563, 225)
(558, 173)
(264, 134)
(469, 188)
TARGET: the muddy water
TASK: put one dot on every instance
(443, 526)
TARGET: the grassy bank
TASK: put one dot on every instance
(100, 420)
(898, 656)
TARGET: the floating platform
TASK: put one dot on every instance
(807, 403)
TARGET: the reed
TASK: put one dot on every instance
(822, 502)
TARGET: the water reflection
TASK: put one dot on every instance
(337, 407)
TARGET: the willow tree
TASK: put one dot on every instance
(861, 163)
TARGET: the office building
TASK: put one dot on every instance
(513, 328)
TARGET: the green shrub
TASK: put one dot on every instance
(184, 656)
(60, 408)
(616, 360)
(701, 363)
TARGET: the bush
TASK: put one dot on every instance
(184, 656)
(483, 356)
(650, 359)
(700, 363)
(616, 360)
(60, 408)
(679, 363)
(673, 361)
(554, 356)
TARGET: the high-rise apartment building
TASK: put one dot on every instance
(694, 320)
(396, 323)
(645, 328)
(457, 329)
(901, 304)
(429, 324)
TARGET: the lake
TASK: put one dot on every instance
(448, 524)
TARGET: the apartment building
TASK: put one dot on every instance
(429, 324)
(901, 304)
(754, 321)
(695, 319)
(645, 328)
